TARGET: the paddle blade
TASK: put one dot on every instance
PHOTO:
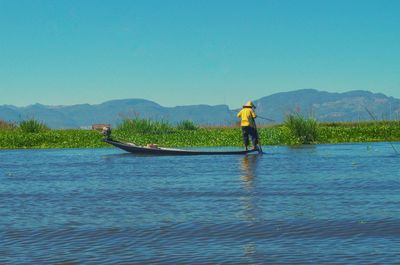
(260, 151)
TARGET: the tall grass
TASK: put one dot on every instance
(186, 125)
(143, 126)
(32, 126)
(303, 130)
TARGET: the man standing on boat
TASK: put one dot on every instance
(248, 124)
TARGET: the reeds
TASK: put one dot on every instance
(143, 126)
(32, 126)
(186, 125)
(303, 130)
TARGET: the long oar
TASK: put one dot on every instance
(258, 139)
(374, 118)
(268, 119)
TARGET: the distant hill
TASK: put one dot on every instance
(324, 106)
(114, 111)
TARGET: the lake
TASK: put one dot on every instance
(311, 204)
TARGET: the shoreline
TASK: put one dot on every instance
(279, 135)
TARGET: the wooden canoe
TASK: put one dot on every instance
(137, 149)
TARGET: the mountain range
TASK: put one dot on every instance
(324, 106)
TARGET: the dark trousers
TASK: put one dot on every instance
(249, 131)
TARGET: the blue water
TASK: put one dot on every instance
(320, 204)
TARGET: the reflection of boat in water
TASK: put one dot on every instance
(155, 150)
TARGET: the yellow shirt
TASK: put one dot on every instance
(247, 116)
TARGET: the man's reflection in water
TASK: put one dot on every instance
(249, 211)
(248, 168)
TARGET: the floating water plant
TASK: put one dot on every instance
(170, 136)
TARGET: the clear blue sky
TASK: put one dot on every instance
(194, 52)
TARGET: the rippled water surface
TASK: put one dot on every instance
(318, 204)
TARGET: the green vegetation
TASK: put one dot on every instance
(185, 134)
(187, 125)
(303, 130)
(12, 139)
(32, 126)
(142, 126)
(359, 132)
